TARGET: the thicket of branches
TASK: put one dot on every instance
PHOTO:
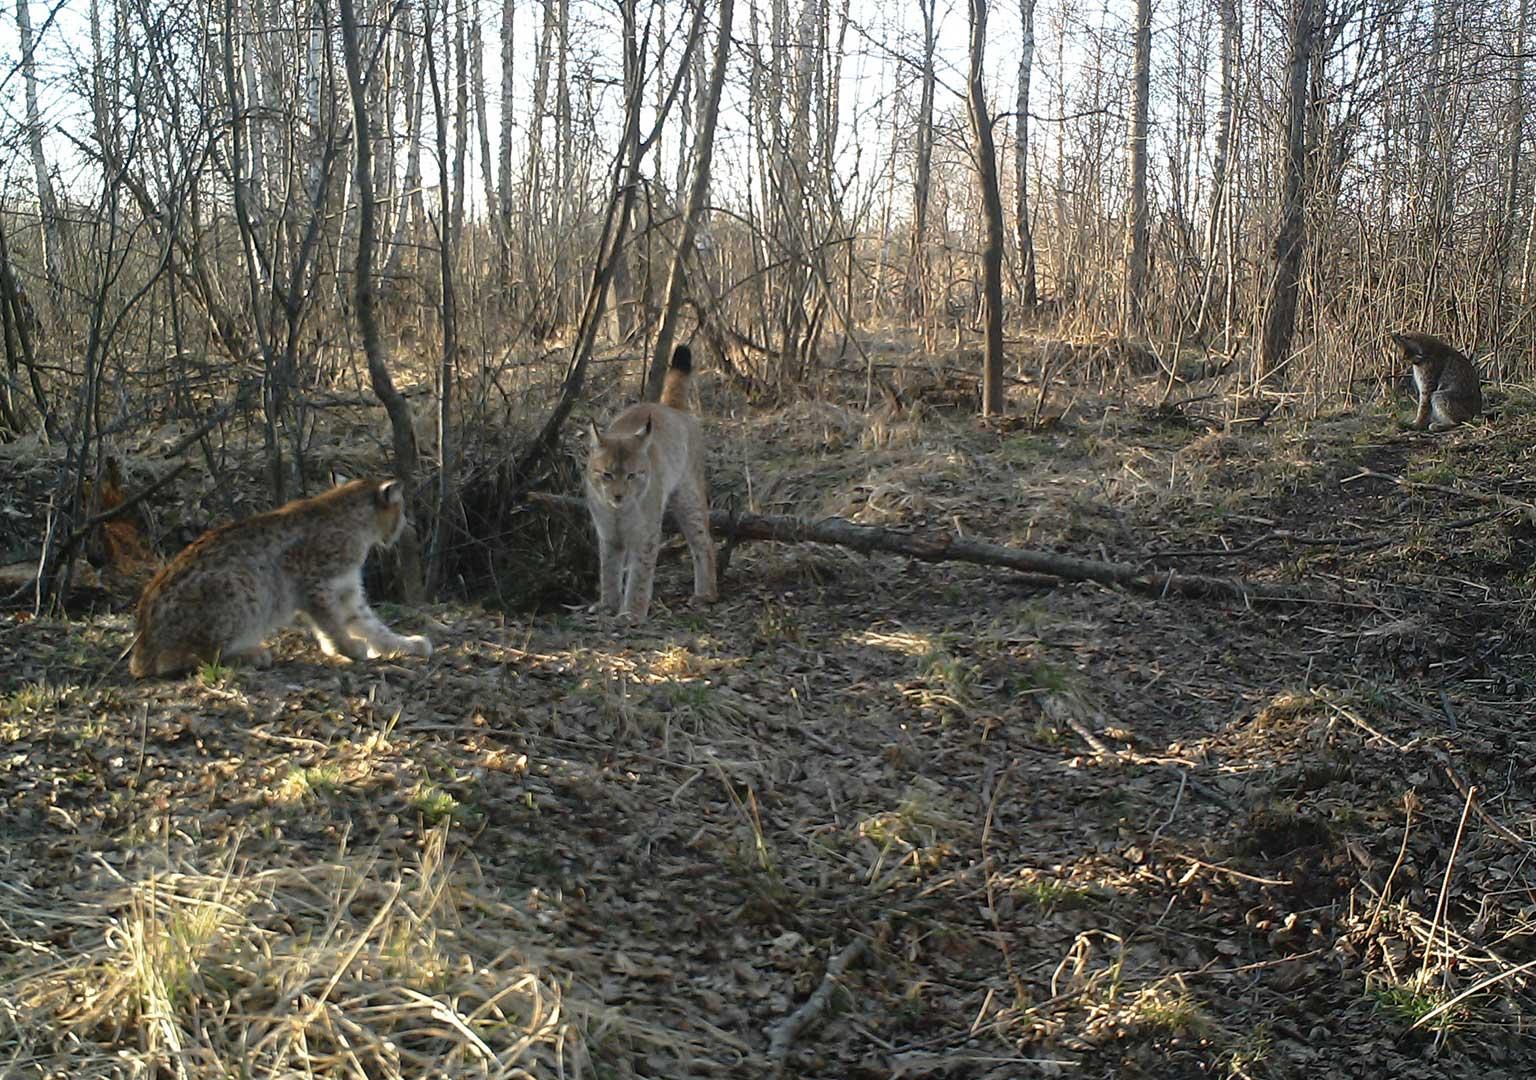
(186, 234)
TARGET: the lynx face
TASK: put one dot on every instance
(389, 512)
(619, 467)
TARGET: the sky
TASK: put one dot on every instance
(881, 31)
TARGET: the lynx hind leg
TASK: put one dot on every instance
(691, 505)
(379, 639)
(1448, 411)
(174, 661)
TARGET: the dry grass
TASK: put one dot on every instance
(356, 967)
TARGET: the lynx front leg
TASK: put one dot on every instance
(1421, 418)
(382, 640)
(610, 556)
(250, 651)
(329, 621)
(640, 573)
(361, 623)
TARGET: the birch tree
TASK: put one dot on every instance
(47, 201)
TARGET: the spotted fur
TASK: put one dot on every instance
(230, 589)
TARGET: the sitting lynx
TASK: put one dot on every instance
(1449, 389)
(649, 456)
(233, 586)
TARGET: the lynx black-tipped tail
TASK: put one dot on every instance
(674, 391)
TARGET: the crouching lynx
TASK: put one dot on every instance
(651, 455)
(232, 587)
(1449, 390)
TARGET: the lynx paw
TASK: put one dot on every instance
(416, 645)
(706, 598)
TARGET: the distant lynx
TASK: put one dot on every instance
(232, 587)
(1449, 390)
(649, 456)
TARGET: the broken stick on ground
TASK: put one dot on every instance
(947, 547)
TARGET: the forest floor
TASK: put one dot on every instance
(1030, 830)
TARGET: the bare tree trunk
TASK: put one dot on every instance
(504, 165)
(436, 546)
(1028, 291)
(47, 203)
(621, 201)
(992, 403)
(415, 78)
(482, 121)
(460, 114)
(258, 279)
(917, 267)
(1133, 311)
(537, 178)
(1226, 109)
(698, 196)
(398, 409)
(1290, 238)
(1515, 125)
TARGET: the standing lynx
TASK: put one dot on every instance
(649, 456)
(232, 587)
(1449, 390)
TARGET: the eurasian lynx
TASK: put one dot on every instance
(1449, 389)
(232, 587)
(649, 456)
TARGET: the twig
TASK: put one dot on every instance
(1487, 499)
(1475, 988)
(783, 1035)
(1277, 534)
(1386, 886)
(1202, 864)
(1173, 812)
(1498, 827)
(1445, 889)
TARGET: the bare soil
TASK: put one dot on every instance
(1081, 832)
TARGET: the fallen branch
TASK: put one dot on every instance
(784, 1033)
(946, 547)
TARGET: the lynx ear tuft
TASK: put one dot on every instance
(594, 436)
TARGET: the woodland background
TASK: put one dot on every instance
(1231, 780)
(195, 234)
